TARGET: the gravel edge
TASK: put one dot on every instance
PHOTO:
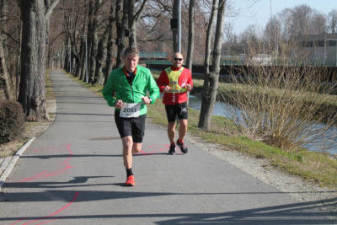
(299, 189)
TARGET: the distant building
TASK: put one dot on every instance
(262, 59)
(243, 59)
(320, 49)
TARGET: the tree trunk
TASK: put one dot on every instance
(206, 97)
(4, 23)
(18, 63)
(32, 85)
(84, 50)
(8, 84)
(175, 25)
(90, 36)
(9, 89)
(132, 23)
(108, 63)
(79, 65)
(209, 38)
(209, 94)
(121, 27)
(93, 41)
(132, 19)
(34, 16)
(100, 58)
(189, 58)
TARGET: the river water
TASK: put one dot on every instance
(327, 143)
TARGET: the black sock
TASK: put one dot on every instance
(129, 172)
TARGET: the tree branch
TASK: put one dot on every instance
(11, 37)
(51, 8)
(136, 16)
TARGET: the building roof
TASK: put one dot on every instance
(322, 36)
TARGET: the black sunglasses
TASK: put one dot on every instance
(178, 59)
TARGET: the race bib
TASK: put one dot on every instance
(130, 110)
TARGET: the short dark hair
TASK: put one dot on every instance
(130, 51)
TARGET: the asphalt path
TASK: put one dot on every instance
(73, 174)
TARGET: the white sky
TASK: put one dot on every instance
(258, 12)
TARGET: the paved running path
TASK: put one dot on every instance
(73, 175)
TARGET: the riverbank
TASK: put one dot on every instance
(327, 104)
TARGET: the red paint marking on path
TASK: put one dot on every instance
(51, 217)
(155, 149)
(44, 174)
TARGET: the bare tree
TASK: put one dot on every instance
(190, 49)
(299, 21)
(5, 75)
(210, 92)
(132, 20)
(174, 25)
(318, 24)
(332, 21)
(34, 16)
(100, 58)
(209, 38)
(3, 19)
(3, 64)
(121, 29)
(251, 41)
(108, 62)
(272, 33)
(93, 37)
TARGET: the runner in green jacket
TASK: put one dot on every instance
(129, 90)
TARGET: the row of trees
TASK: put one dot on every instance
(283, 30)
(86, 38)
(30, 55)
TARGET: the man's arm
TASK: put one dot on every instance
(189, 83)
(162, 81)
(153, 89)
(108, 92)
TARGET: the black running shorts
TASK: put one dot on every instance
(131, 127)
(179, 111)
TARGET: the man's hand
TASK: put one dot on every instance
(119, 104)
(167, 88)
(188, 87)
(146, 100)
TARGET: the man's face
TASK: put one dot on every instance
(178, 60)
(131, 62)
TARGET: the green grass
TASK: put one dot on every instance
(316, 167)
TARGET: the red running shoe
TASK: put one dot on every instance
(130, 181)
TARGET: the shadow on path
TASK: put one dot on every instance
(307, 213)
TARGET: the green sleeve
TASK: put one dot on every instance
(153, 89)
(109, 92)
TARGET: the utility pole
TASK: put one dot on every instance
(176, 25)
(179, 26)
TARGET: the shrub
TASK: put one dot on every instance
(11, 121)
(278, 105)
